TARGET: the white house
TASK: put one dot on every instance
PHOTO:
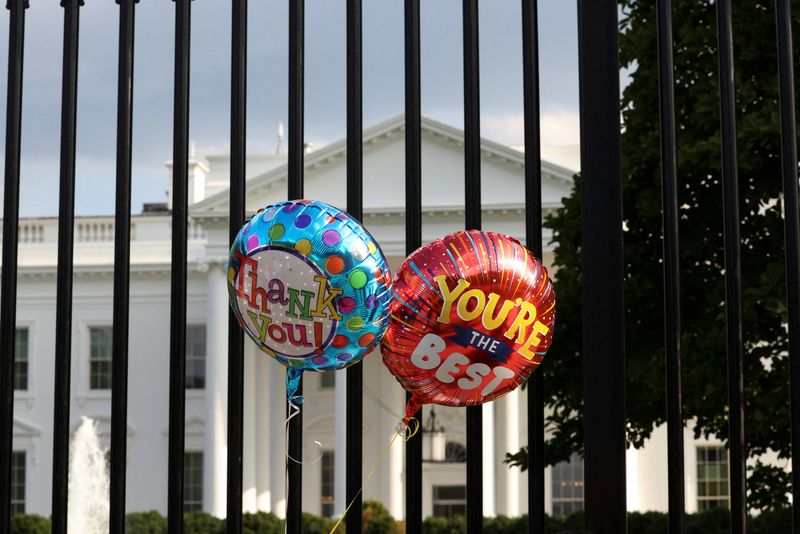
(505, 489)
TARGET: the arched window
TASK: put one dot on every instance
(455, 453)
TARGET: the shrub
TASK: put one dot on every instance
(202, 523)
(376, 519)
(313, 524)
(145, 523)
(261, 523)
(30, 524)
(444, 525)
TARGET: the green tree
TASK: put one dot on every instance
(701, 243)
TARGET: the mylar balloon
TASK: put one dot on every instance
(472, 317)
(310, 286)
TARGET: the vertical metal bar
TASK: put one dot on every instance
(122, 262)
(783, 19)
(672, 307)
(66, 222)
(294, 499)
(180, 184)
(472, 215)
(733, 282)
(603, 324)
(355, 205)
(413, 113)
(533, 239)
(233, 523)
(8, 277)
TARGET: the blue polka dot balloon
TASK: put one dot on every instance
(310, 286)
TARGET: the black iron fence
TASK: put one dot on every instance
(602, 248)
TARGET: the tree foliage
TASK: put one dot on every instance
(701, 243)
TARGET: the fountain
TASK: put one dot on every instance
(87, 508)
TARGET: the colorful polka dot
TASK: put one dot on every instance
(340, 341)
(302, 220)
(231, 274)
(334, 265)
(344, 357)
(346, 305)
(372, 247)
(366, 339)
(359, 251)
(358, 279)
(378, 272)
(354, 324)
(252, 242)
(303, 246)
(319, 360)
(276, 232)
(331, 238)
(371, 301)
(270, 214)
(288, 208)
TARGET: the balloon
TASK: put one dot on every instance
(472, 317)
(310, 286)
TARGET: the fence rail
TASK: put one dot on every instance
(602, 254)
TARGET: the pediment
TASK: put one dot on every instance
(384, 174)
(25, 429)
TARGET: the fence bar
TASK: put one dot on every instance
(472, 215)
(233, 523)
(122, 262)
(783, 18)
(413, 113)
(733, 282)
(603, 325)
(355, 207)
(8, 277)
(294, 498)
(177, 342)
(672, 325)
(66, 225)
(533, 239)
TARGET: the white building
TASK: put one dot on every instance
(505, 489)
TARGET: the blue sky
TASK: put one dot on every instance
(501, 83)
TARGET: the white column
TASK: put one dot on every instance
(249, 437)
(510, 424)
(488, 460)
(216, 424)
(277, 409)
(395, 503)
(339, 463)
(264, 438)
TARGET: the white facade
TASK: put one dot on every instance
(264, 392)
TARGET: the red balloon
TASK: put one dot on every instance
(472, 316)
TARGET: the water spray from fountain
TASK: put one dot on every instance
(88, 507)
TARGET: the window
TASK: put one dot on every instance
(568, 487)
(100, 357)
(196, 357)
(17, 482)
(449, 501)
(455, 453)
(193, 481)
(21, 360)
(712, 478)
(327, 380)
(326, 493)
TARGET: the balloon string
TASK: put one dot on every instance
(407, 431)
(294, 410)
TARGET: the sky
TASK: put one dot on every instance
(325, 84)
